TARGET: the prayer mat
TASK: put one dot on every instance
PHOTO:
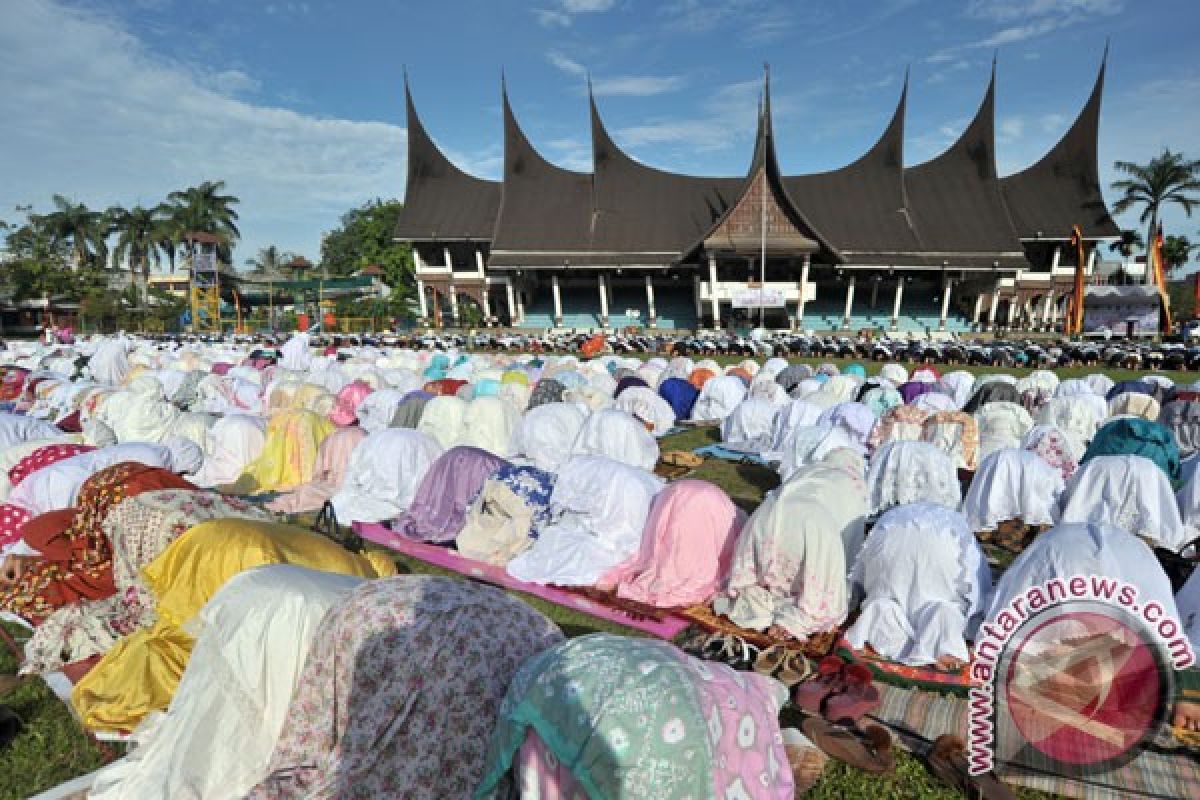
(668, 626)
(1164, 770)
(725, 454)
(901, 675)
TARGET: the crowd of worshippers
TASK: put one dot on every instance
(149, 543)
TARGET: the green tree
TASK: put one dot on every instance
(137, 231)
(1176, 251)
(203, 209)
(1168, 178)
(1129, 242)
(269, 259)
(365, 237)
(86, 230)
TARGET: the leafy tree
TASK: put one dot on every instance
(269, 259)
(137, 232)
(1176, 251)
(86, 230)
(365, 237)
(203, 209)
(1129, 242)
(1168, 178)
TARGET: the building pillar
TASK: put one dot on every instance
(803, 292)
(697, 297)
(896, 302)
(947, 288)
(849, 303)
(1012, 310)
(603, 301)
(418, 262)
(874, 291)
(978, 308)
(454, 304)
(448, 259)
(424, 306)
(652, 312)
(994, 307)
(712, 291)
(1056, 258)
(1047, 310)
(520, 308)
(1091, 262)
(557, 293)
(479, 261)
(487, 306)
(512, 303)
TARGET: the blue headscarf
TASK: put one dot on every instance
(680, 395)
(1132, 436)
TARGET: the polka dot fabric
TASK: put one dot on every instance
(44, 457)
(12, 519)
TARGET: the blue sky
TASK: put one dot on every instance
(298, 105)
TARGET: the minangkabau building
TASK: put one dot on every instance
(945, 245)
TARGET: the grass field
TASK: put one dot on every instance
(53, 749)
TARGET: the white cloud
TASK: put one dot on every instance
(566, 64)
(1008, 10)
(1010, 129)
(587, 6)
(87, 111)
(562, 15)
(755, 21)
(637, 85)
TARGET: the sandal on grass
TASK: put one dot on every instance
(947, 760)
(805, 758)
(869, 749)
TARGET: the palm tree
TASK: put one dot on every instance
(86, 230)
(137, 232)
(204, 209)
(269, 260)
(1176, 252)
(1130, 240)
(1168, 178)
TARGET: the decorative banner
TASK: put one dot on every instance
(204, 261)
(758, 298)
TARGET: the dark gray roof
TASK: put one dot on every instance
(954, 200)
(639, 209)
(545, 216)
(862, 206)
(1063, 189)
(441, 202)
(953, 208)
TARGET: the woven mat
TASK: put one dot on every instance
(1164, 771)
(906, 677)
(704, 617)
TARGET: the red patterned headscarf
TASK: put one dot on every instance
(44, 457)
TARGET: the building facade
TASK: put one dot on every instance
(945, 245)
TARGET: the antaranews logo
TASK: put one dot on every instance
(1072, 677)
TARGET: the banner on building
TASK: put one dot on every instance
(761, 297)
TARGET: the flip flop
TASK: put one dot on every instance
(855, 698)
(947, 760)
(806, 759)
(10, 726)
(810, 695)
(869, 750)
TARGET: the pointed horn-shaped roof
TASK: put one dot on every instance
(441, 202)
(954, 200)
(545, 212)
(1063, 188)
(788, 229)
(862, 206)
(645, 215)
